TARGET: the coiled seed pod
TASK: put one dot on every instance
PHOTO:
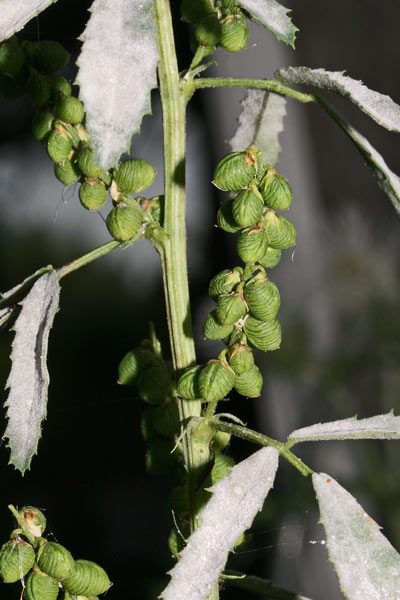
(212, 328)
(275, 190)
(42, 125)
(234, 33)
(188, 383)
(34, 520)
(87, 579)
(67, 172)
(59, 145)
(247, 207)
(166, 420)
(125, 219)
(220, 440)
(230, 308)
(208, 31)
(216, 380)
(134, 175)
(222, 466)
(40, 586)
(16, 559)
(154, 384)
(11, 58)
(49, 56)
(235, 171)
(252, 244)
(271, 258)
(263, 298)
(38, 88)
(240, 358)
(225, 218)
(193, 11)
(133, 363)
(265, 335)
(69, 109)
(92, 194)
(224, 282)
(55, 560)
(249, 383)
(60, 84)
(159, 456)
(280, 232)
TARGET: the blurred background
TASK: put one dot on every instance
(340, 294)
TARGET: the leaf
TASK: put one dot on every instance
(117, 70)
(366, 563)
(235, 501)
(259, 587)
(380, 427)
(29, 379)
(378, 106)
(19, 291)
(16, 13)
(260, 123)
(273, 16)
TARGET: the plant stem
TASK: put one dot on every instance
(87, 258)
(261, 84)
(259, 587)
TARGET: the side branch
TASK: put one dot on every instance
(261, 84)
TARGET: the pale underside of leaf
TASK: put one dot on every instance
(382, 427)
(235, 501)
(273, 16)
(117, 71)
(28, 380)
(379, 107)
(366, 563)
(19, 291)
(14, 14)
(260, 123)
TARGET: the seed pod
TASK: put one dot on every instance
(240, 358)
(230, 6)
(67, 172)
(154, 206)
(134, 175)
(87, 579)
(16, 559)
(265, 335)
(72, 132)
(11, 58)
(271, 258)
(93, 194)
(49, 56)
(133, 363)
(60, 84)
(69, 109)
(40, 586)
(85, 163)
(280, 232)
(220, 440)
(154, 384)
(125, 219)
(59, 145)
(235, 171)
(165, 420)
(237, 336)
(208, 31)
(275, 190)
(222, 466)
(235, 33)
(160, 459)
(230, 308)
(249, 383)
(216, 380)
(34, 520)
(55, 560)
(252, 244)
(188, 383)
(212, 328)
(224, 282)
(193, 11)
(247, 207)
(83, 135)
(42, 125)
(263, 298)
(225, 218)
(38, 88)
(68, 596)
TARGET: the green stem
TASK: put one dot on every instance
(259, 587)
(87, 258)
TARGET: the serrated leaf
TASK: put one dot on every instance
(380, 427)
(14, 14)
(5, 315)
(19, 291)
(260, 123)
(235, 501)
(367, 565)
(28, 380)
(379, 107)
(273, 16)
(117, 71)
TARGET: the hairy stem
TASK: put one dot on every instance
(87, 258)
(261, 84)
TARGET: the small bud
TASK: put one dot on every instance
(154, 206)
(67, 172)
(263, 298)
(208, 31)
(16, 559)
(249, 383)
(225, 218)
(275, 190)
(49, 56)
(69, 109)
(55, 560)
(59, 145)
(93, 194)
(252, 244)
(265, 335)
(271, 258)
(235, 33)
(40, 586)
(247, 207)
(42, 125)
(188, 383)
(230, 308)
(125, 220)
(216, 380)
(222, 466)
(212, 328)
(87, 579)
(154, 384)
(193, 11)
(235, 171)
(134, 175)
(38, 88)
(240, 358)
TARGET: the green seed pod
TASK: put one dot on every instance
(271, 258)
(83, 135)
(60, 84)
(275, 190)
(11, 58)
(249, 383)
(93, 194)
(16, 559)
(42, 125)
(225, 218)
(252, 244)
(154, 384)
(160, 459)
(13, 87)
(59, 145)
(55, 560)
(216, 380)
(40, 586)
(208, 31)
(224, 282)
(34, 520)
(188, 383)
(222, 466)
(49, 56)
(134, 175)
(280, 232)
(247, 207)
(69, 109)
(68, 596)
(154, 206)
(193, 11)
(230, 7)
(165, 420)
(240, 358)
(220, 441)
(230, 308)
(72, 132)
(87, 579)
(85, 163)
(237, 336)
(235, 171)
(235, 33)
(38, 88)
(67, 172)
(263, 298)
(134, 363)
(265, 335)
(146, 425)
(125, 219)
(212, 328)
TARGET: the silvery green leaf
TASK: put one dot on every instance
(367, 565)
(117, 71)
(260, 123)
(29, 379)
(19, 291)
(378, 106)
(230, 511)
(273, 16)
(381, 427)
(14, 14)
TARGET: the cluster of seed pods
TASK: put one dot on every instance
(47, 568)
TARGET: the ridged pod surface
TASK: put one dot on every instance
(222, 466)
(93, 194)
(275, 190)
(69, 109)
(225, 218)
(249, 383)
(134, 175)
(263, 298)
(271, 258)
(252, 244)
(216, 380)
(188, 383)
(11, 58)
(59, 145)
(280, 232)
(230, 308)
(34, 520)
(235, 33)
(38, 88)
(17, 557)
(40, 586)
(132, 364)
(235, 171)
(154, 384)
(125, 219)
(166, 420)
(247, 207)
(49, 56)
(42, 125)
(220, 440)
(85, 163)
(60, 84)
(224, 282)
(208, 31)
(146, 425)
(240, 358)
(55, 560)
(193, 11)
(264, 335)
(212, 328)
(67, 172)
(87, 579)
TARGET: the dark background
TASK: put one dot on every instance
(340, 350)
